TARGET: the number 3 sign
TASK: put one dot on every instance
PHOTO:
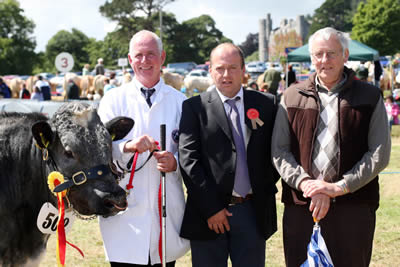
(48, 219)
(64, 62)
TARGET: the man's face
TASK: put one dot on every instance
(226, 70)
(328, 59)
(146, 60)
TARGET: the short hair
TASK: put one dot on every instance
(237, 48)
(139, 34)
(100, 60)
(326, 33)
(390, 97)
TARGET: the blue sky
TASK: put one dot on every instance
(235, 18)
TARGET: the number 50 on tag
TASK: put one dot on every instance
(48, 219)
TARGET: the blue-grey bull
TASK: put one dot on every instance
(73, 142)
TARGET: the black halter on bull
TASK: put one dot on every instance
(44, 134)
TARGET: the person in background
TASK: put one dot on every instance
(225, 161)
(253, 86)
(44, 88)
(132, 237)
(113, 80)
(24, 93)
(5, 91)
(107, 85)
(291, 75)
(72, 90)
(362, 73)
(37, 94)
(272, 77)
(330, 142)
(392, 110)
(86, 70)
(377, 72)
(99, 68)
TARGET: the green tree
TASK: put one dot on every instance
(334, 13)
(74, 42)
(129, 14)
(17, 54)
(252, 57)
(195, 38)
(250, 44)
(377, 24)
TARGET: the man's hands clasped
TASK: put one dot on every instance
(320, 193)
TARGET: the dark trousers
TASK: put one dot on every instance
(120, 264)
(243, 243)
(348, 231)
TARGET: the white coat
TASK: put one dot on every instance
(130, 236)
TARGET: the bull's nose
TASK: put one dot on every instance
(117, 203)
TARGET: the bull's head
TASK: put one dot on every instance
(80, 147)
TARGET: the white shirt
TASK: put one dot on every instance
(240, 106)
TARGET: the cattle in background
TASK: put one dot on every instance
(15, 86)
(85, 85)
(97, 91)
(76, 142)
(173, 79)
(30, 82)
(199, 83)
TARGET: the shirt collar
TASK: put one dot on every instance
(336, 89)
(139, 85)
(224, 98)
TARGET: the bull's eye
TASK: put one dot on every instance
(118, 175)
(69, 154)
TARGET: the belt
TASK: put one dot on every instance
(239, 200)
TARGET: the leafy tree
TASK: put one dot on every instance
(253, 57)
(74, 42)
(129, 14)
(377, 24)
(334, 13)
(250, 45)
(195, 38)
(17, 54)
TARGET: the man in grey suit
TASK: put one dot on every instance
(225, 161)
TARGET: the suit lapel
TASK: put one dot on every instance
(247, 100)
(219, 113)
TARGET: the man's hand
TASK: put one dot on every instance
(311, 188)
(166, 161)
(141, 144)
(219, 222)
(319, 206)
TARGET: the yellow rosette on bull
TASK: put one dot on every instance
(54, 179)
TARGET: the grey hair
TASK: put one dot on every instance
(138, 34)
(326, 33)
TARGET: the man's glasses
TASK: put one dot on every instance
(329, 55)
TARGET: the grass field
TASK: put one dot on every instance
(86, 234)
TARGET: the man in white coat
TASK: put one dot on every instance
(131, 238)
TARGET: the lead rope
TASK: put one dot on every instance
(129, 186)
(161, 229)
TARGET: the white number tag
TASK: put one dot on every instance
(48, 219)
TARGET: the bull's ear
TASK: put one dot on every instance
(119, 127)
(43, 134)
